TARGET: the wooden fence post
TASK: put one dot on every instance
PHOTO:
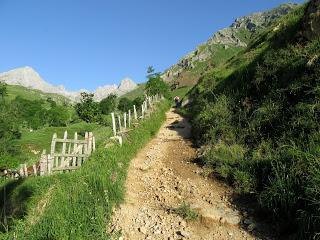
(21, 172)
(43, 163)
(135, 112)
(49, 164)
(75, 147)
(85, 146)
(89, 143)
(129, 118)
(119, 120)
(64, 146)
(34, 167)
(114, 124)
(25, 170)
(80, 151)
(53, 149)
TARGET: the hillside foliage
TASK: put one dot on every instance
(259, 116)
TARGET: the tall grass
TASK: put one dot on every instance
(78, 205)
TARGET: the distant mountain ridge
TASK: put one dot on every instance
(29, 78)
(222, 44)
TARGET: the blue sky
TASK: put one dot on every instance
(90, 43)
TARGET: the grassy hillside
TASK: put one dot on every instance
(77, 205)
(31, 94)
(138, 92)
(258, 114)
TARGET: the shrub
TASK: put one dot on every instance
(125, 104)
(243, 181)
(224, 158)
(214, 122)
(88, 110)
(185, 211)
(155, 84)
(108, 104)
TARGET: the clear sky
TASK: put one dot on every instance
(90, 43)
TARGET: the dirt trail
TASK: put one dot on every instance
(160, 178)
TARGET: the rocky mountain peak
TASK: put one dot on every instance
(29, 78)
(262, 19)
(126, 85)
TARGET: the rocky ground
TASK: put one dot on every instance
(160, 179)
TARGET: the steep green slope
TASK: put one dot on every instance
(223, 45)
(258, 115)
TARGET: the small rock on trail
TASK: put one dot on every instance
(162, 177)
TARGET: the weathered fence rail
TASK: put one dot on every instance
(65, 155)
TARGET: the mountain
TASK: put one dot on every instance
(221, 46)
(29, 78)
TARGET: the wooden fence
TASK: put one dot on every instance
(69, 154)
(122, 125)
(65, 155)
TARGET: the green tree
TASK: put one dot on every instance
(58, 116)
(155, 84)
(9, 131)
(108, 104)
(138, 101)
(125, 104)
(88, 110)
(32, 113)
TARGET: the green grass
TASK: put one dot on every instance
(78, 205)
(138, 92)
(32, 94)
(181, 92)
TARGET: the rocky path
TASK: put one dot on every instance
(160, 179)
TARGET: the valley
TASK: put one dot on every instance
(224, 144)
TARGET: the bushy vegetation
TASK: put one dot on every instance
(155, 84)
(125, 104)
(108, 104)
(76, 205)
(259, 113)
(19, 114)
(185, 211)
